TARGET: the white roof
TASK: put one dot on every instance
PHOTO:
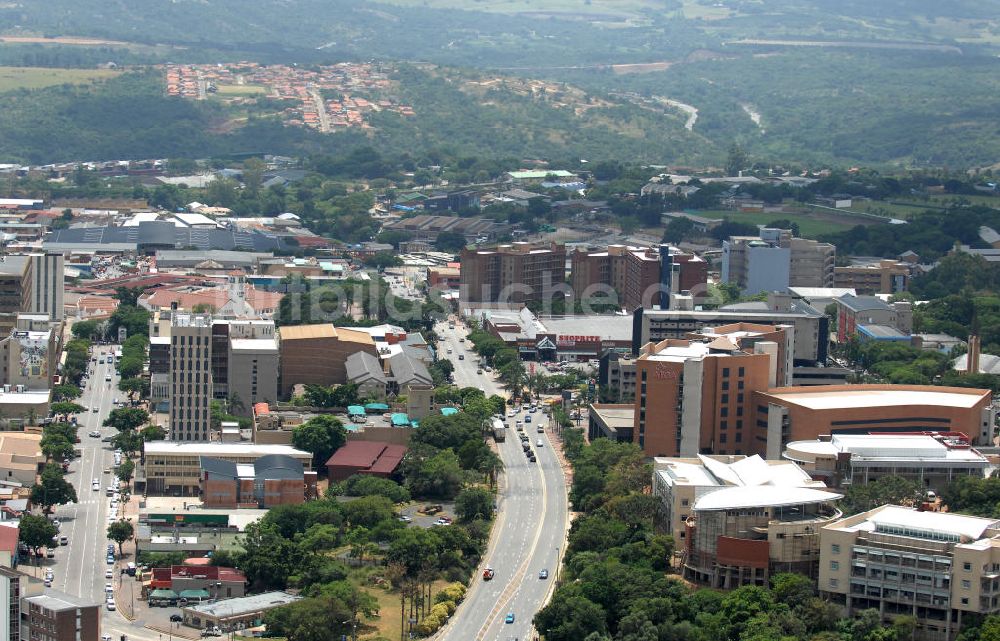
(222, 449)
(886, 446)
(865, 398)
(971, 527)
(761, 496)
(751, 471)
(254, 344)
(680, 354)
(822, 292)
(190, 220)
(26, 397)
(141, 217)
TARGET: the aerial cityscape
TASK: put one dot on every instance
(537, 321)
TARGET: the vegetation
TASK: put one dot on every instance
(322, 436)
(120, 532)
(52, 489)
(36, 532)
(894, 490)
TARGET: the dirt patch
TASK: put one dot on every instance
(63, 40)
(645, 67)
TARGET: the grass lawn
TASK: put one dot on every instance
(230, 91)
(388, 623)
(621, 8)
(809, 226)
(12, 78)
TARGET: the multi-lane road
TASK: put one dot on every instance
(80, 566)
(531, 522)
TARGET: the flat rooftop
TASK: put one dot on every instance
(888, 447)
(606, 326)
(221, 449)
(679, 354)
(240, 606)
(615, 416)
(857, 397)
(895, 517)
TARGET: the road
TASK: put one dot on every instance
(531, 526)
(320, 104)
(80, 566)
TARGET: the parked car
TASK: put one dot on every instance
(176, 618)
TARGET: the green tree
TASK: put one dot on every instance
(474, 503)
(66, 392)
(152, 432)
(127, 419)
(120, 532)
(130, 366)
(311, 619)
(52, 489)
(35, 531)
(125, 471)
(56, 447)
(65, 408)
(322, 435)
(368, 485)
(895, 490)
(134, 386)
(432, 474)
(88, 329)
(135, 320)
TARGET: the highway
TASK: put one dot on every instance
(530, 531)
(80, 566)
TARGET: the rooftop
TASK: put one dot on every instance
(58, 601)
(910, 522)
(863, 303)
(240, 606)
(615, 415)
(826, 397)
(887, 447)
(222, 449)
(733, 471)
(768, 496)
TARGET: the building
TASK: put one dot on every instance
(444, 277)
(932, 460)
(28, 355)
(317, 354)
(616, 376)
(679, 482)
(855, 311)
(253, 367)
(273, 479)
(60, 617)
(207, 581)
(517, 273)
(774, 260)
(235, 614)
(537, 176)
(10, 604)
(365, 457)
(565, 338)
(811, 327)
(174, 469)
(787, 414)
(611, 420)
(21, 457)
(743, 535)
(694, 397)
(15, 290)
(936, 567)
(366, 371)
(190, 377)
(148, 237)
(881, 277)
(634, 273)
(427, 228)
(48, 285)
(9, 542)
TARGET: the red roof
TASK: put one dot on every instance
(372, 456)
(261, 409)
(198, 560)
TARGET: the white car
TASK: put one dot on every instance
(94, 409)
(94, 434)
(109, 574)
(111, 605)
(96, 487)
(539, 443)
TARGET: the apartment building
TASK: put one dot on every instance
(317, 354)
(174, 469)
(774, 260)
(15, 290)
(811, 326)
(785, 414)
(693, 397)
(190, 376)
(881, 277)
(55, 616)
(636, 273)
(48, 285)
(932, 460)
(10, 604)
(936, 567)
(514, 273)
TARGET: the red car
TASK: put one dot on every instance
(488, 574)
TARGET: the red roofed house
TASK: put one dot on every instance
(200, 577)
(365, 457)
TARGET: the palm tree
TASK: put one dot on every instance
(491, 465)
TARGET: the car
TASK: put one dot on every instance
(520, 425)
(527, 419)
(63, 540)
(94, 434)
(449, 350)
(57, 523)
(94, 409)
(479, 371)
(176, 618)
(509, 618)
(105, 637)
(50, 553)
(543, 573)
(211, 632)
(111, 560)
(95, 486)
(109, 574)
(461, 357)
(488, 574)
(540, 429)
(405, 518)
(47, 583)
(110, 606)
(539, 443)
(108, 589)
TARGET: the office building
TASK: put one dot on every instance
(48, 285)
(15, 290)
(774, 260)
(695, 397)
(679, 482)
(743, 535)
(55, 616)
(936, 567)
(931, 460)
(190, 376)
(881, 277)
(515, 273)
(616, 376)
(811, 326)
(634, 273)
(174, 469)
(10, 604)
(252, 364)
(787, 414)
(853, 312)
(317, 354)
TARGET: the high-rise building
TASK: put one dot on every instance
(60, 617)
(15, 290)
(774, 260)
(514, 273)
(10, 604)
(938, 568)
(635, 273)
(48, 285)
(190, 376)
(252, 365)
(882, 277)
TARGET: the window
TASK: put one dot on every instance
(834, 565)
(835, 548)
(723, 425)
(967, 566)
(742, 371)
(685, 502)
(724, 411)
(725, 398)
(834, 583)
(722, 438)
(725, 372)
(966, 584)
(965, 600)
(739, 437)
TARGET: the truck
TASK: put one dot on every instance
(499, 435)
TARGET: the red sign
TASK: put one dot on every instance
(570, 341)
